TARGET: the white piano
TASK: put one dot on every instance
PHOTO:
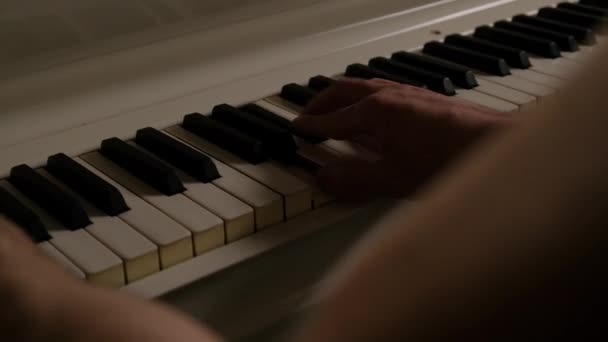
(243, 251)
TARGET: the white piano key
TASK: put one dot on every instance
(267, 204)
(347, 148)
(537, 90)
(173, 240)
(587, 50)
(553, 67)
(296, 194)
(582, 56)
(522, 100)
(320, 153)
(540, 78)
(563, 64)
(282, 103)
(239, 219)
(290, 112)
(139, 255)
(100, 265)
(207, 229)
(486, 100)
(315, 154)
(319, 196)
(56, 255)
(576, 58)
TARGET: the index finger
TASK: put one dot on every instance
(343, 93)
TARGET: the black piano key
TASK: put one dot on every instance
(488, 63)
(583, 35)
(320, 83)
(87, 184)
(516, 58)
(572, 17)
(280, 121)
(297, 94)
(191, 161)
(267, 115)
(435, 82)
(26, 219)
(460, 75)
(586, 9)
(228, 138)
(65, 208)
(595, 3)
(363, 71)
(565, 41)
(278, 141)
(145, 167)
(543, 47)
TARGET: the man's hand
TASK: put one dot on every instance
(416, 132)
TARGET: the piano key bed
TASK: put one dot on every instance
(135, 212)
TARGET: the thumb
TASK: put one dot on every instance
(344, 124)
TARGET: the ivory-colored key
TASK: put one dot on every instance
(139, 255)
(540, 78)
(582, 56)
(552, 67)
(537, 90)
(486, 100)
(207, 229)
(100, 265)
(315, 154)
(282, 103)
(239, 219)
(319, 154)
(564, 63)
(173, 240)
(267, 204)
(319, 196)
(290, 112)
(56, 255)
(522, 100)
(296, 194)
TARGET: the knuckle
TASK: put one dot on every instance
(354, 85)
(349, 82)
(379, 99)
(377, 84)
(408, 88)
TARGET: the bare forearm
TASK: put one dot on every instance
(526, 203)
(98, 315)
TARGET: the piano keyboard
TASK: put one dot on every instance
(151, 203)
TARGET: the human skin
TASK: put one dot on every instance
(415, 132)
